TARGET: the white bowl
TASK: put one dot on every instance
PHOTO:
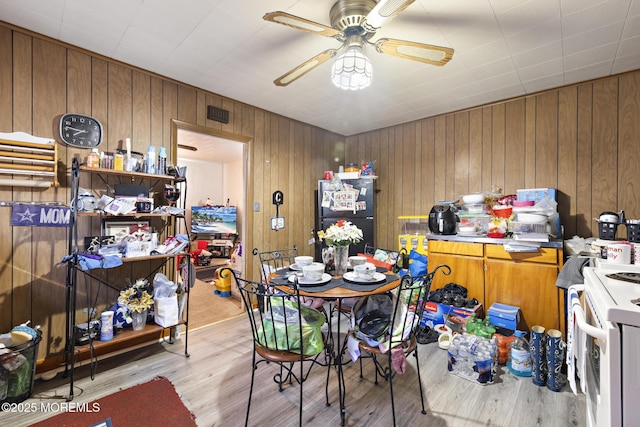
(467, 229)
(357, 260)
(531, 218)
(473, 199)
(313, 271)
(301, 261)
(365, 271)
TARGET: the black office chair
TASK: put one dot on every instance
(277, 328)
(396, 330)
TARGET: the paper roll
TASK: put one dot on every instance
(619, 253)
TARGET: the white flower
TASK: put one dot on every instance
(342, 233)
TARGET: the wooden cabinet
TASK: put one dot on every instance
(527, 281)
(491, 274)
(467, 266)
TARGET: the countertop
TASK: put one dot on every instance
(555, 243)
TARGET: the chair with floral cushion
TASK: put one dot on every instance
(388, 332)
(283, 331)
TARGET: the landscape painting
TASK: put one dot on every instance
(213, 219)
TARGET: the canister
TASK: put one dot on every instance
(106, 329)
(118, 162)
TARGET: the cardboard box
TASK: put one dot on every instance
(434, 313)
(504, 316)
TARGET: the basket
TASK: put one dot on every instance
(17, 371)
(607, 230)
(633, 232)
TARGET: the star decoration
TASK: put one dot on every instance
(26, 216)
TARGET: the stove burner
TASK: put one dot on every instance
(627, 277)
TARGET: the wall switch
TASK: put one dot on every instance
(256, 206)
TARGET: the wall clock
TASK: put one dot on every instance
(79, 130)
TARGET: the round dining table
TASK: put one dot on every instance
(336, 288)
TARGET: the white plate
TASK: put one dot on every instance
(326, 278)
(353, 277)
(295, 267)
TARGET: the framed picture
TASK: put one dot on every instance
(133, 230)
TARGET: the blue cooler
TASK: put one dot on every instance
(504, 316)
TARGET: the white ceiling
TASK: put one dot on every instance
(503, 48)
(208, 148)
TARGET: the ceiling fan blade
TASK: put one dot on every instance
(302, 24)
(305, 67)
(427, 53)
(383, 12)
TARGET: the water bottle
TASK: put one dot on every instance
(151, 160)
(519, 362)
(162, 161)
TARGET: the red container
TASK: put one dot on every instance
(503, 212)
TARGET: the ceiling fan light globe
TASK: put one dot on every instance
(352, 70)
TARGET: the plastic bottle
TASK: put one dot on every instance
(520, 356)
(162, 161)
(151, 159)
(93, 158)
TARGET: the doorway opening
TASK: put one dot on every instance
(216, 172)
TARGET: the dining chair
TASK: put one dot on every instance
(274, 260)
(277, 327)
(396, 339)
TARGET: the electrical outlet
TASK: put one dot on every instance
(256, 206)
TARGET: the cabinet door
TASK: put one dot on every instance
(530, 286)
(465, 271)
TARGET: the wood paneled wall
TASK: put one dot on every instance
(582, 139)
(41, 79)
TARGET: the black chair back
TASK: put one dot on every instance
(270, 261)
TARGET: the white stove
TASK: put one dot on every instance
(620, 298)
(611, 322)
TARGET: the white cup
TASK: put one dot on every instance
(313, 272)
(619, 253)
(365, 271)
(357, 260)
(301, 261)
(636, 253)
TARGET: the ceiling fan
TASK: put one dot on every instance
(354, 23)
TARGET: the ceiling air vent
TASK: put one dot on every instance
(217, 114)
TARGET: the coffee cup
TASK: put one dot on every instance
(357, 260)
(365, 271)
(301, 261)
(313, 272)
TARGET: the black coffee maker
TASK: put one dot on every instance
(442, 219)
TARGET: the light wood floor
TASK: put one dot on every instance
(214, 382)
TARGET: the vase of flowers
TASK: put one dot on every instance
(138, 299)
(340, 235)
